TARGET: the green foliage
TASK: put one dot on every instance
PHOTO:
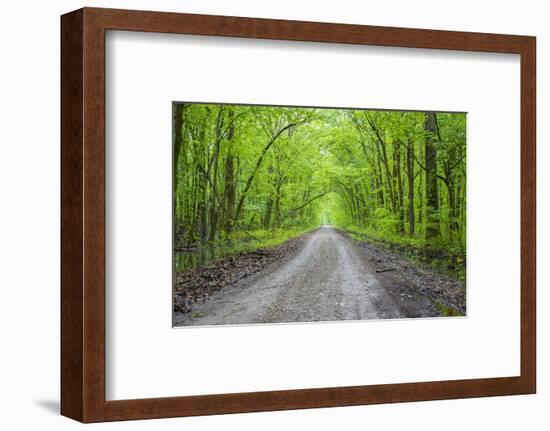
(272, 172)
(444, 310)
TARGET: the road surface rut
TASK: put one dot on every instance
(328, 280)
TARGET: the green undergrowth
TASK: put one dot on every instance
(444, 310)
(449, 260)
(230, 245)
(262, 238)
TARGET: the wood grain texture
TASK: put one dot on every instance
(94, 216)
(258, 28)
(528, 216)
(72, 305)
(83, 214)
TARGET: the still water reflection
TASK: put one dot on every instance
(194, 258)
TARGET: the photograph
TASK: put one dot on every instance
(288, 214)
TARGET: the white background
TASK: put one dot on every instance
(145, 355)
(29, 229)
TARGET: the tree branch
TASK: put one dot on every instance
(207, 176)
(310, 201)
(258, 164)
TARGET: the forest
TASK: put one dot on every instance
(264, 174)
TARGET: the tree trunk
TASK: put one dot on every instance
(278, 202)
(268, 211)
(203, 224)
(177, 112)
(410, 179)
(229, 193)
(399, 179)
(230, 188)
(432, 199)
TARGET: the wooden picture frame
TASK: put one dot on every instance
(83, 214)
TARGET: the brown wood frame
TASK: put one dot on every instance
(83, 214)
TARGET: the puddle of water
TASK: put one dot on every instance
(205, 254)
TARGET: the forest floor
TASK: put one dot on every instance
(321, 276)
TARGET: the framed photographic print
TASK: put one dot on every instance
(304, 239)
(266, 215)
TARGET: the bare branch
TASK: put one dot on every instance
(310, 201)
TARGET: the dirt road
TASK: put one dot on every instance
(328, 279)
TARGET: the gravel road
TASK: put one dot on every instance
(329, 279)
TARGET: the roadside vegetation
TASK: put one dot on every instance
(250, 177)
